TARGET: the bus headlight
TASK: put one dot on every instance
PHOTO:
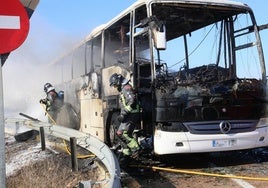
(263, 122)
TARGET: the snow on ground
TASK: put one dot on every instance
(21, 154)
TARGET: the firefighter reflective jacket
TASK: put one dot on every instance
(128, 100)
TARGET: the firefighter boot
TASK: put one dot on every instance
(132, 144)
(134, 147)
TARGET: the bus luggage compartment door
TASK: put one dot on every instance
(91, 117)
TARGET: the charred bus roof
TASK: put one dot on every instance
(183, 15)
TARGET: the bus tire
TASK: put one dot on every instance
(112, 128)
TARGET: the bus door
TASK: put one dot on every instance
(143, 67)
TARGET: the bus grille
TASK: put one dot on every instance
(221, 127)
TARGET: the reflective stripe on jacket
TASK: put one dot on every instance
(128, 100)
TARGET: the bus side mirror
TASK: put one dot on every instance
(158, 29)
(159, 36)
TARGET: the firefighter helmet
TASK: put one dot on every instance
(48, 87)
(116, 80)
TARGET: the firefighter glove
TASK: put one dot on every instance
(43, 101)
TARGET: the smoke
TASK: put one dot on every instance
(24, 72)
(23, 84)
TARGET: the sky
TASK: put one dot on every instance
(55, 27)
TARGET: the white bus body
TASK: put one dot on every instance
(197, 66)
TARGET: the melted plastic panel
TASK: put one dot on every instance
(206, 97)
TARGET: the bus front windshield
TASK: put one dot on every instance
(216, 37)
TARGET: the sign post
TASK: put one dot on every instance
(14, 28)
(2, 135)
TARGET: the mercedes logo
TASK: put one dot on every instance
(225, 127)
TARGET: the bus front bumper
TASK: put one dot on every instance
(185, 142)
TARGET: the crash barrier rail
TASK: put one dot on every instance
(86, 141)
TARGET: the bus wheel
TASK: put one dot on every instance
(114, 124)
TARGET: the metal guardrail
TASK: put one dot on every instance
(89, 142)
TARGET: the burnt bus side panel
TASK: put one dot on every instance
(92, 107)
(83, 96)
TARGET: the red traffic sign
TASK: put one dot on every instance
(14, 25)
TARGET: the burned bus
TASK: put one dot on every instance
(197, 67)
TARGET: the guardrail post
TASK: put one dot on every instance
(17, 127)
(74, 154)
(43, 140)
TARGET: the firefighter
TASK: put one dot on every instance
(53, 100)
(129, 114)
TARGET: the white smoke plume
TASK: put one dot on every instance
(24, 72)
